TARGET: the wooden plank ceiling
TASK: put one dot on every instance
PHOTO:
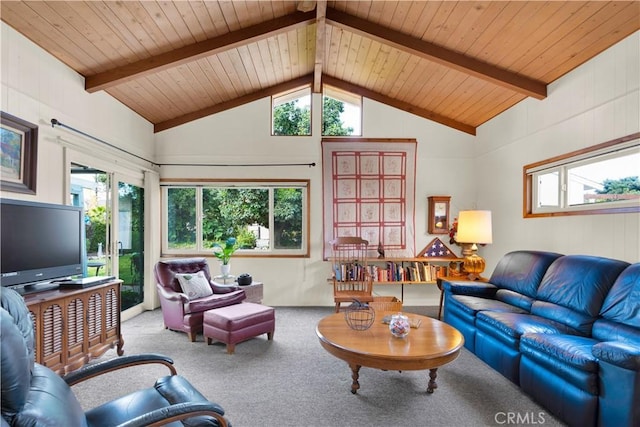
(457, 63)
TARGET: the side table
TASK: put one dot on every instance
(254, 292)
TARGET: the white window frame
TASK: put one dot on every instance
(346, 97)
(292, 95)
(200, 250)
(532, 174)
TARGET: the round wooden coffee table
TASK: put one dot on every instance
(429, 346)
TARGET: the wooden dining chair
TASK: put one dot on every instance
(350, 272)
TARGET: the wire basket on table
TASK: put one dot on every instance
(386, 304)
(359, 316)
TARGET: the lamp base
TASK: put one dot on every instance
(473, 264)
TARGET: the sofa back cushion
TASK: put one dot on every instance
(574, 288)
(620, 312)
(166, 271)
(41, 398)
(522, 271)
(13, 302)
(622, 304)
(16, 366)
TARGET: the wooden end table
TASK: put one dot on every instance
(429, 346)
(254, 291)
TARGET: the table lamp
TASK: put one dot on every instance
(474, 227)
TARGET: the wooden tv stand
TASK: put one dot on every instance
(73, 326)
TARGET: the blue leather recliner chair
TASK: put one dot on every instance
(34, 395)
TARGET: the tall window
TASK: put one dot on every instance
(291, 113)
(341, 112)
(265, 218)
(601, 179)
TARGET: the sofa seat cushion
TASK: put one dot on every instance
(167, 391)
(567, 356)
(200, 305)
(563, 349)
(511, 326)
(472, 305)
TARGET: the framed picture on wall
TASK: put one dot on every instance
(438, 220)
(18, 154)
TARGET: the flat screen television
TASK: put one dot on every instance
(39, 242)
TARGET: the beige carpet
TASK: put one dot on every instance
(293, 381)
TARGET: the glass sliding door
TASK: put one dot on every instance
(90, 189)
(114, 227)
(130, 243)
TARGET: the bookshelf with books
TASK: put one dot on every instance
(398, 271)
(434, 261)
(411, 270)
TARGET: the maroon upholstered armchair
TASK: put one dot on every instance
(180, 313)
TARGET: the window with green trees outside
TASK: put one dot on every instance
(265, 218)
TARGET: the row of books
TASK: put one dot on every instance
(391, 272)
(407, 272)
(349, 272)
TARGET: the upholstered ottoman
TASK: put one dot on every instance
(238, 322)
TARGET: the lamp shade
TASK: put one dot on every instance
(474, 227)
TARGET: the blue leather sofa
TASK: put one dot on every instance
(564, 328)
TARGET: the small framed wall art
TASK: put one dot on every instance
(438, 220)
(18, 154)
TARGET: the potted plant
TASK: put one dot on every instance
(223, 253)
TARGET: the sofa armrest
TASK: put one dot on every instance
(94, 370)
(618, 353)
(177, 412)
(223, 289)
(469, 287)
(170, 295)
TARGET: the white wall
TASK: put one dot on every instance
(242, 135)
(36, 87)
(596, 102)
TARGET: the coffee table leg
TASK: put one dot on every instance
(355, 369)
(433, 373)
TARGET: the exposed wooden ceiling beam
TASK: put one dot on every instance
(198, 50)
(321, 24)
(437, 54)
(421, 112)
(250, 97)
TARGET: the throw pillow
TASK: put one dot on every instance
(195, 285)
